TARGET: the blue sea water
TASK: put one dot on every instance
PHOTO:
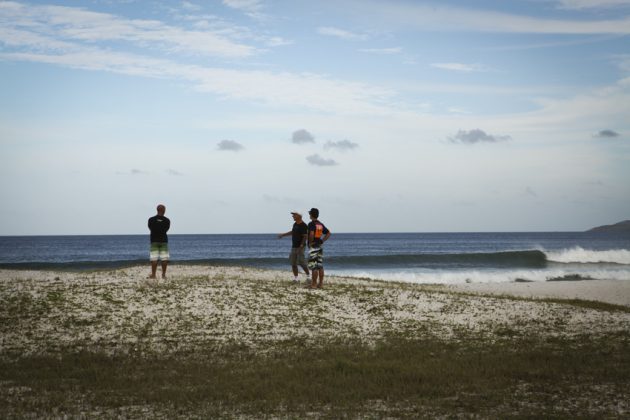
(411, 257)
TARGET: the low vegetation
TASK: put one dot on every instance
(217, 342)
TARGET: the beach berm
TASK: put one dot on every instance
(242, 342)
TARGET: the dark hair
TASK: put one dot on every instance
(314, 212)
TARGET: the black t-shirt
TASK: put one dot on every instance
(297, 233)
(319, 230)
(159, 225)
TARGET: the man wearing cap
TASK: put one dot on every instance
(317, 235)
(298, 237)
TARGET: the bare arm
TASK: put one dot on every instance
(325, 238)
(282, 235)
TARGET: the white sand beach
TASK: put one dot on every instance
(199, 304)
(610, 291)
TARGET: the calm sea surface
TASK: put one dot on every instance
(413, 257)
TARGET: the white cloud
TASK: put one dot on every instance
(306, 90)
(592, 4)
(424, 17)
(383, 51)
(190, 6)
(467, 68)
(252, 8)
(67, 24)
(340, 33)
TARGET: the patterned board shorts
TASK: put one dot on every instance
(159, 251)
(316, 258)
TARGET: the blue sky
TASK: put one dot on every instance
(387, 115)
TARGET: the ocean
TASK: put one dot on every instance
(447, 258)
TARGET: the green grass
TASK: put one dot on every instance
(402, 377)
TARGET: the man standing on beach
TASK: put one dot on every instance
(317, 235)
(298, 238)
(159, 225)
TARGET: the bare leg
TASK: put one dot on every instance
(154, 265)
(295, 270)
(321, 278)
(164, 265)
(314, 282)
(305, 268)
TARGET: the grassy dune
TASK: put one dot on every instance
(231, 342)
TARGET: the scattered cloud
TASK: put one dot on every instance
(230, 145)
(467, 68)
(186, 5)
(317, 160)
(340, 33)
(592, 4)
(342, 145)
(77, 38)
(476, 136)
(252, 8)
(22, 24)
(173, 172)
(607, 134)
(382, 51)
(426, 17)
(137, 172)
(302, 137)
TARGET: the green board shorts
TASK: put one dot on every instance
(297, 256)
(159, 251)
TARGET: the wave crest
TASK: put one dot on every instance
(589, 256)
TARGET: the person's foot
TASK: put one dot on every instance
(151, 278)
(295, 279)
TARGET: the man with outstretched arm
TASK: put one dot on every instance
(298, 237)
(159, 225)
(317, 235)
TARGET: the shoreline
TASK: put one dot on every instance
(616, 292)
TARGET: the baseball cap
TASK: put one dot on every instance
(297, 212)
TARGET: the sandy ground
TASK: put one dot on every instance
(121, 311)
(610, 291)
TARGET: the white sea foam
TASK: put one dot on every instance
(480, 276)
(581, 255)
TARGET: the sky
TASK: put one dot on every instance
(388, 116)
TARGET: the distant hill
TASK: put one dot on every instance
(621, 227)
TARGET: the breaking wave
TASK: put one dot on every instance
(588, 256)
